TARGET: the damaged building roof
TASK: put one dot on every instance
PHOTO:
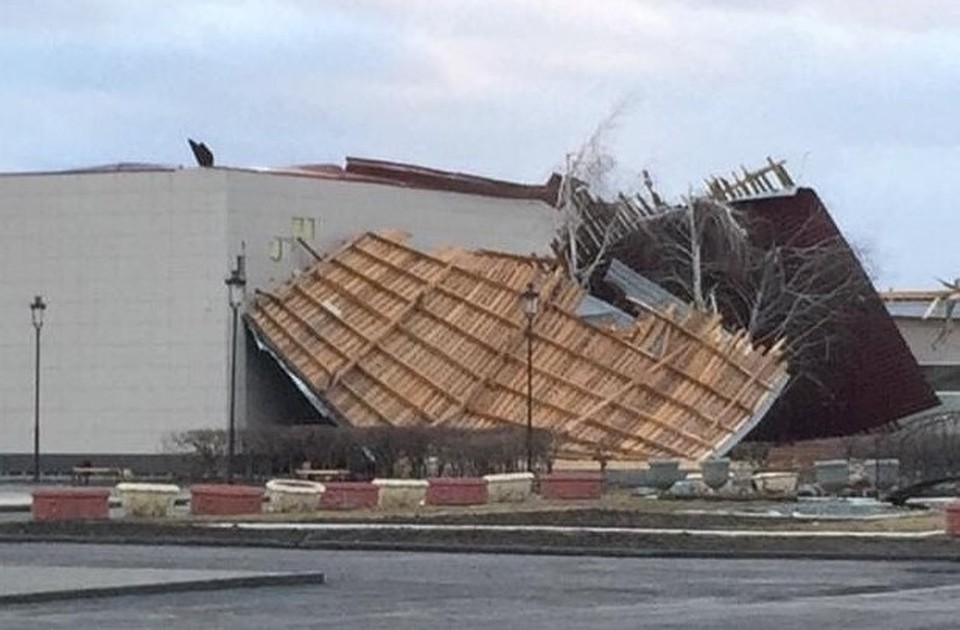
(385, 334)
(877, 380)
(359, 170)
(864, 377)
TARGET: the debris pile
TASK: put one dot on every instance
(663, 329)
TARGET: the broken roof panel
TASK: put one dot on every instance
(640, 290)
(386, 334)
(876, 380)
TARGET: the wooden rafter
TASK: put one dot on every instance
(406, 316)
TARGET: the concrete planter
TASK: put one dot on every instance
(349, 495)
(882, 474)
(571, 485)
(148, 500)
(715, 472)
(225, 500)
(509, 487)
(776, 483)
(66, 504)
(457, 491)
(287, 496)
(663, 473)
(952, 514)
(401, 494)
(833, 475)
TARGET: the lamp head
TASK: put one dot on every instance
(236, 286)
(530, 301)
(37, 307)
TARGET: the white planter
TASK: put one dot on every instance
(401, 493)
(148, 500)
(293, 495)
(509, 487)
(776, 483)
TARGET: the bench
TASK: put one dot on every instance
(82, 474)
(323, 475)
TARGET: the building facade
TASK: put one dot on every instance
(131, 261)
(933, 339)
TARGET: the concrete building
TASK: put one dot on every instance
(934, 341)
(131, 260)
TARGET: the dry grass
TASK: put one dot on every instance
(709, 514)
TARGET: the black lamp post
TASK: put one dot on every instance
(530, 301)
(37, 307)
(236, 288)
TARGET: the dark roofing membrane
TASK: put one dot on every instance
(877, 380)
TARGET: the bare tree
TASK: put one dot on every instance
(702, 251)
(594, 216)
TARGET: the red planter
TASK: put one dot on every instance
(65, 504)
(456, 491)
(225, 500)
(349, 495)
(571, 485)
(953, 519)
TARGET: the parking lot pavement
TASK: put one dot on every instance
(410, 590)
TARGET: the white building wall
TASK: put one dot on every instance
(133, 344)
(262, 208)
(926, 341)
(932, 349)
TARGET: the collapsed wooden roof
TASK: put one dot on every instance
(385, 334)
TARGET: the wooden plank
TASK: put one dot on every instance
(633, 437)
(291, 338)
(651, 357)
(411, 306)
(683, 329)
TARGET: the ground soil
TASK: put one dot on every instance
(616, 510)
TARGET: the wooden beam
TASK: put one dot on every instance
(632, 437)
(411, 306)
(342, 292)
(309, 249)
(651, 357)
(290, 338)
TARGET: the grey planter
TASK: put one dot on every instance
(883, 474)
(663, 473)
(716, 472)
(833, 475)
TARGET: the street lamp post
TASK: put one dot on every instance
(236, 287)
(37, 308)
(530, 301)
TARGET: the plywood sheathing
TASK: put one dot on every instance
(387, 334)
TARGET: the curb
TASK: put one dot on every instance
(210, 584)
(308, 543)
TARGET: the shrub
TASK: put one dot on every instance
(367, 452)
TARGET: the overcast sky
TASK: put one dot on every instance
(861, 97)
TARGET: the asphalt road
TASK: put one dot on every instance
(373, 590)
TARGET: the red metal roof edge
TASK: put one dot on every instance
(100, 169)
(359, 170)
(308, 172)
(436, 179)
